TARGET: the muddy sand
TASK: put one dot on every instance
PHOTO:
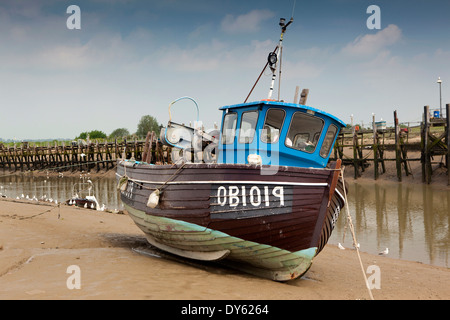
(40, 244)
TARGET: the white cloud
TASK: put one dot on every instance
(215, 55)
(245, 23)
(204, 57)
(301, 70)
(374, 43)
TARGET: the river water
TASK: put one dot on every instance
(412, 220)
(60, 188)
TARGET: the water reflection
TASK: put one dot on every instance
(411, 220)
(59, 188)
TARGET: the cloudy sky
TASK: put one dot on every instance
(133, 57)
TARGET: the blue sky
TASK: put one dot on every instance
(132, 58)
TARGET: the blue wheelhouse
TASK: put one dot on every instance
(285, 134)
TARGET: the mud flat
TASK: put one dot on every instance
(40, 242)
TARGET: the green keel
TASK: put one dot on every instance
(201, 243)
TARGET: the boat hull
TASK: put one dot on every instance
(268, 225)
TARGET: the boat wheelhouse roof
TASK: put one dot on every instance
(299, 136)
(283, 104)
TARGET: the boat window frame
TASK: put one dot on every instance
(254, 128)
(290, 126)
(330, 147)
(225, 141)
(281, 128)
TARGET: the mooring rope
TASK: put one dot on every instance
(33, 216)
(352, 230)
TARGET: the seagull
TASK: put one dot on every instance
(340, 246)
(385, 252)
(357, 245)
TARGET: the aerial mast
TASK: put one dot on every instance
(273, 57)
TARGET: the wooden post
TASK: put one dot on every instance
(447, 107)
(422, 143)
(397, 148)
(297, 89)
(426, 165)
(355, 153)
(304, 96)
(375, 148)
(404, 154)
(146, 146)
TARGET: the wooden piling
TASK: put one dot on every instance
(76, 157)
(447, 107)
(426, 158)
(355, 154)
(146, 146)
(375, 148)
(397, 147)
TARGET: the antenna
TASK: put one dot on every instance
(293, 10)
(273, 57)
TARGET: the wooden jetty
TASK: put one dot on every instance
(79, 155)
(368, 147)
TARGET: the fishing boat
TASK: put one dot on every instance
(259, 195)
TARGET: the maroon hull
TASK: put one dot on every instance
(294, 209)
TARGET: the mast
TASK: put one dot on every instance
(273, 57)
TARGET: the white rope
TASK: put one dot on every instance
(352, 230)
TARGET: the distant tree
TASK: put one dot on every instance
(146, 124)
(97, 134)
(94, 134)
(82, 135)
(119, 133)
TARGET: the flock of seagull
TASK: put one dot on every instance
(44, 198)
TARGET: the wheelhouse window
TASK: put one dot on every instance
(304, 132)
(248, 126)
(328, 141)
(229, 128)
(272, 125)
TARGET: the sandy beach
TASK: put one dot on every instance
(40, 242)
